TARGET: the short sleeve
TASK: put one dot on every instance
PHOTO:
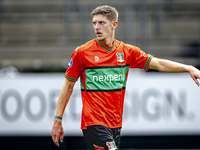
(138, 58)
(75, 66)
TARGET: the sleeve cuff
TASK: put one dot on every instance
(146, 67)
(69, 78)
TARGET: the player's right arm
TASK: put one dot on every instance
(174, 67)
(57, 129)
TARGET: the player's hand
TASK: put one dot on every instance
(57, 132)
(195, 74)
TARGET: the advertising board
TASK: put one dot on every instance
(155, 104)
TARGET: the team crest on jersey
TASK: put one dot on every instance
(111, 145)
(120, 57)
(70, 63)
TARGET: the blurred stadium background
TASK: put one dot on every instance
(39, 36)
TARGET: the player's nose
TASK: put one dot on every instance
(96, 26)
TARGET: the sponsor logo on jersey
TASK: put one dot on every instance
(111, 145)
(106, 78)
(70, 63)
(109, 78)
(120, 57)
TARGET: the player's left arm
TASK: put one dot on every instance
(174, 67)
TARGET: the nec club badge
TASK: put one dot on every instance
(70, 63)
(120, 57)
(111, 145)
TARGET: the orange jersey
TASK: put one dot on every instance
(104, 73)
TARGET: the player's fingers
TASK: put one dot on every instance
(52, 136)
(57, 144)
(56, 138)
(196, 81)
(61, 136)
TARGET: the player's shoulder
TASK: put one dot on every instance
(130, 47)
(86, 46)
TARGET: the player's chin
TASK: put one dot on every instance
(100, 38)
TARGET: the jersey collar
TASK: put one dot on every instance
(108, 49)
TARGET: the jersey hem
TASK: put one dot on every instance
(94, 124)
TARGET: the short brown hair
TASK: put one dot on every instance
(105, 10)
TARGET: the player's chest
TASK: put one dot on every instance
(103, 58)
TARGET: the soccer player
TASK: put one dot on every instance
(102, 65)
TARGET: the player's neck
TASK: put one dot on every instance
(109, 41)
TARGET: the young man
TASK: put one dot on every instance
(103, 64)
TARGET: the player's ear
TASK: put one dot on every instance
(114, 25)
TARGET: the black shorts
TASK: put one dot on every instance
(102, 138)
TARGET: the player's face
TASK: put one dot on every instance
(102, 27)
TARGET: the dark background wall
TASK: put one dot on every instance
(127, 142)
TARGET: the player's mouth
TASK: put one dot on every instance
(98, 33)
